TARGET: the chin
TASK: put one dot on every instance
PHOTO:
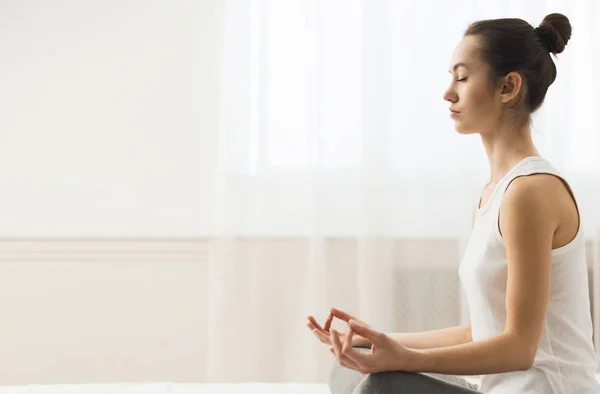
(462, 129)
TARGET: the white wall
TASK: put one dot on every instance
(102, 107)
(103, 311)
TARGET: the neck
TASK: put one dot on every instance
(506, 147)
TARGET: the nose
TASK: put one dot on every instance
(450, 95)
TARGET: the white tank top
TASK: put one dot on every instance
(565, 362)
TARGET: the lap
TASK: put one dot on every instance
(347, 381)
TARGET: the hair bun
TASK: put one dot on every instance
(554, 32)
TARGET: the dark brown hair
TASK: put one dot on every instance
(512, 44)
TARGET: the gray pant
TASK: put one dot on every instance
(347, 381)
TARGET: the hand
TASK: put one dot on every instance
(386, 354)
(323, 333)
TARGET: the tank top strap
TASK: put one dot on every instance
(528, 166)
(537, 165)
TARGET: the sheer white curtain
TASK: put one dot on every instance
(338, 178)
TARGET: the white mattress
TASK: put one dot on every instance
(170, 388)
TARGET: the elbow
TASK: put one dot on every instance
(525, 363)
(523, 353)
(526, 357)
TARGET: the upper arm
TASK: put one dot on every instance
(528, 221)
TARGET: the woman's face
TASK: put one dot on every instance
(474, 102)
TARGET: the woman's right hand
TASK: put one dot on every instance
(323, 333)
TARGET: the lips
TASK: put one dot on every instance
(453, 113)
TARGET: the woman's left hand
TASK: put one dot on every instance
(386, 354)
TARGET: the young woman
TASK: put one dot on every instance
(524, 269)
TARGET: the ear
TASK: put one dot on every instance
(512, 84)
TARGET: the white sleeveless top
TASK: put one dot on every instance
(565, 362)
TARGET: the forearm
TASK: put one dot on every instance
(435, 338)
(427, 339)
(502, 353)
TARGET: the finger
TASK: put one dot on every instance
(351, 354)
(333, 352)
(344, 363)
(341, 314)
(345, 316)
(328, 322)
(347, 345)
(322, 337)
(350, 365)
(335, 344)
(316, 324)
(313, 321)
(342, 359)
(373, 335)
(311, 326)
(347, 350)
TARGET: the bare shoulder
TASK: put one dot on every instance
(536, 188)
(534, 197)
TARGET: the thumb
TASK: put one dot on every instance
(366, 331)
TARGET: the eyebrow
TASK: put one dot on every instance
(457, 65)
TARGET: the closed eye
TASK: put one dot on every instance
(462, 79)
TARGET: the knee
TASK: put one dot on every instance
(342, 379)
(386, 382)
(372, 383)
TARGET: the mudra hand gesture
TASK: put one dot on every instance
(324, 333)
